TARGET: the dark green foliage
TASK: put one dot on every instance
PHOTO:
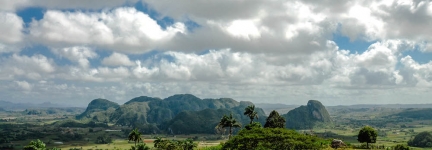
(423, 139)
(204, 121)
(272, 138)
(141, 146)
(367, 135)
(306, 117)
(253, 125)
(70, 137)
(164, 144)
(103, 140)
(77, 124)
(401, 147)
(35, 145)
(274, 120)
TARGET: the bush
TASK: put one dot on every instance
(103, 140)
(218, 147)
(401, 147)
(35, 145)
(141, 146)
(187, 144)
(273, 138)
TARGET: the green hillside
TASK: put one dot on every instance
(306, 117)
(154, 114)
(98, 110)
(205, 121)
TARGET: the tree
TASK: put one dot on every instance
(367, 134)
(274, 120)
(188, 144)
(157, 142)
(135, 135)
(35, 145)
(228, 121)
(423, 139)
(251, 113)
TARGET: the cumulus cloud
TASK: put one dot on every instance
(34, 67)
(117, 59)
(24, 85)
(62, 4)
(281, 51)
(122, 29)
(11, 27)
(77, 54)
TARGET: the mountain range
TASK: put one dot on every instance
(188, 114)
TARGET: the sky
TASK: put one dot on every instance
(340, 52)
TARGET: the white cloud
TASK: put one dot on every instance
(244, 29)
(24, 85)
(422, 73)
(77, 54)
(14, 5)
(35, 67)
(117, 59)
(11, 27)
(281, 51)
(122, 29)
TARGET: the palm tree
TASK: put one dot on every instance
(157, 142)
(135, 135)
(251, 113)
(228, 121)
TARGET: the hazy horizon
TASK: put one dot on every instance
(338, 52)
(302, 102)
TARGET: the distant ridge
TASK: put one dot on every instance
(385, 106)
(22, 106)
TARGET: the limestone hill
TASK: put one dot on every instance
(154, 113)
(98, 110)
(306, 117)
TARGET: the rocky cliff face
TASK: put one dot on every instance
(306, 117)
(319, 112)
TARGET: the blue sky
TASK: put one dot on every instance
(267, 52)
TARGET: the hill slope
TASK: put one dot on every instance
(154, 113)
(205, 121)
(98, 110)
(306, 117)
